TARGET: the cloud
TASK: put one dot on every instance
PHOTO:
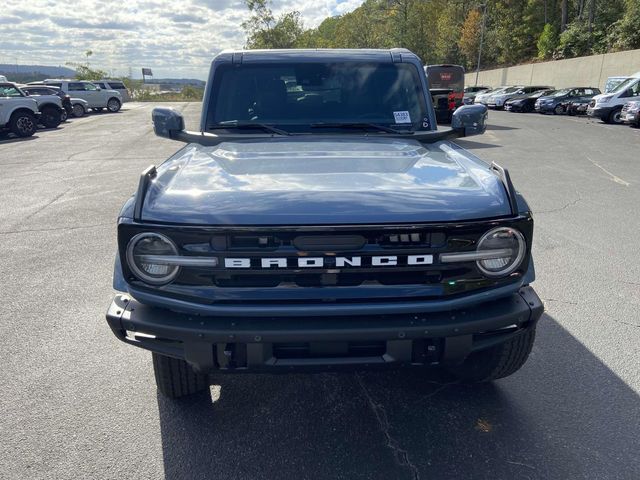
(97, 25)
(172, 38)
(186, 18)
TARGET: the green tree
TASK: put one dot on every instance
(547, 42)
(625, 33)
(265, 31)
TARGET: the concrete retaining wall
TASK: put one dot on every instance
(589, 71)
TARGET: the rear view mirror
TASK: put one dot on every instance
(470, 120)
(167, 123)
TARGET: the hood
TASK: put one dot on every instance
(603, 97)
(546, 99)
(328, 180)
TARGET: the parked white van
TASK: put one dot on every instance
(607, 107)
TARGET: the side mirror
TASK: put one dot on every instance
(470, 120)
(167, 122)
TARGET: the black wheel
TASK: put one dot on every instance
(175, 378)
(558, 110)
(614, 117)
(113, 105)
(23, 124)
(50, 117)
(78, 110)
(496, 362)
(64, 116)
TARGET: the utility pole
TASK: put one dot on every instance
(484, 18)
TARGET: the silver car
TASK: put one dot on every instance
(96, 97)
(115, 85)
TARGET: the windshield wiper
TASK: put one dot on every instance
(360, 125)
(229, 124)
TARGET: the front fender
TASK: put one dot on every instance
(119, 282)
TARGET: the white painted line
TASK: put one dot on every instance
(613, 178)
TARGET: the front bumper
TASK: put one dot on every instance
(224, 343)
(545, 108)
(599, 112)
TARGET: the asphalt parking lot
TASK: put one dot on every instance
(78, 404)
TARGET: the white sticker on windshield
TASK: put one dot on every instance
(402, 117)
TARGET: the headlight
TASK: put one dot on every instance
(140, 252)
(504, 248)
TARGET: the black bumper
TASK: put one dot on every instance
(601, 112)
(272, 344)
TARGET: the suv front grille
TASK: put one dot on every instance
(347, 270)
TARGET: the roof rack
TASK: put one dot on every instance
(508, 185)
(146, 176)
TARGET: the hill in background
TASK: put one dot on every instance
(30, 73)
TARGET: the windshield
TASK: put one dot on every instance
(10, 91)
(511, 89)
(294, 96)
(613, 83)
(540, 93)
(626, 84)
(560, 93)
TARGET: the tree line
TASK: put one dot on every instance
(449, 31)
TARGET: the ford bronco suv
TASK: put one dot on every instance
(18, 113)
(321, 220)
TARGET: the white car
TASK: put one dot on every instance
(115, 85)
(18, 113)
(79, 107)
(483, 97)
(97, 98)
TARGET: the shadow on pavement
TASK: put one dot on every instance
(10, 138)
(466, 144)
(565, 415)
(501, 127)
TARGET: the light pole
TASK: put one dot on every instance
(484, 16)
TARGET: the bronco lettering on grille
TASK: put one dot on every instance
(323, 262)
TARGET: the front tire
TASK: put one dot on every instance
(558, 110)
(175, 378)
(78, 111)
(614, 117)
(23, 124)
(50, 117)
(113, 105)
(496, 362)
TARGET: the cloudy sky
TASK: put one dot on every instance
(176, 38)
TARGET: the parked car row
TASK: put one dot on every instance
(619, 103)
(52, 101)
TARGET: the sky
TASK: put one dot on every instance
(175, 38)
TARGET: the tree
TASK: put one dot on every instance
(547, 42)
(265, 31)
(625, 34)
(469, 42)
